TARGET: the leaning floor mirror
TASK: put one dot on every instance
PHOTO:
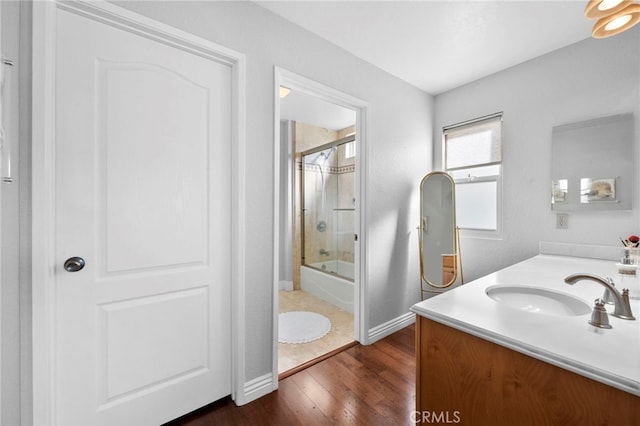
(440, 260)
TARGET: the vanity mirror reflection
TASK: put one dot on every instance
(592, 164)
(440, 262)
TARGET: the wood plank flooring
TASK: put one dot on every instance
(362, 385)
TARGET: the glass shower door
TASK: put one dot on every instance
(328, 186)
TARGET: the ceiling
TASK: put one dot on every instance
(439, 45)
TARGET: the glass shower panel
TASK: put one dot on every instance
(328, 210)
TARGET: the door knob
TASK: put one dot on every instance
(74, 264)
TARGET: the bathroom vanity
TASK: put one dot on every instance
(515, 347)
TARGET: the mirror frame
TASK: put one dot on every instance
(455, 235)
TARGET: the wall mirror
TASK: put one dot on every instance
(592, 164)
(440, 263)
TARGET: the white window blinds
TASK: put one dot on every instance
(473, 144)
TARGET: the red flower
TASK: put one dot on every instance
(633, 239)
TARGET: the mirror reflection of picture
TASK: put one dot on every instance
(594, 190)
(559, 190)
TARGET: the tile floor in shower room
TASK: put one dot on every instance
(292, 355)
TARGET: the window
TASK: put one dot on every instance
(473, 157)
(350, 149)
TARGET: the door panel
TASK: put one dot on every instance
(153, 187)
(142, 188)
(138, 337)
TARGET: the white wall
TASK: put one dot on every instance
(399, 153)
(589, 79)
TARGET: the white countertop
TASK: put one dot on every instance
(610, 356)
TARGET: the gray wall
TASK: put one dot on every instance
(589, 79)
(15, 226)
(399, 153)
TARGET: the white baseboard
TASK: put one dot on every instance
(390, 327)
(256, 388)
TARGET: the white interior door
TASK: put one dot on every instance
(142, 333)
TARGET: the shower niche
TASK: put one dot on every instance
(327, 187)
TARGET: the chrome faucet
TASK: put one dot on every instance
(324, 252)
(621, 301)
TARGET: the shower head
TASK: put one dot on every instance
(322, 156)
(327, 153)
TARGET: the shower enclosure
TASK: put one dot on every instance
(328, 206)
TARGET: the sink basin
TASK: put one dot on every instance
(538, 300)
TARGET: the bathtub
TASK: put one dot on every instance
(328, 286)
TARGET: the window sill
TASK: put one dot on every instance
(481, 234)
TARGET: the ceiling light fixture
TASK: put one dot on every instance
(597, 9)
(284, 91)
(614, 16)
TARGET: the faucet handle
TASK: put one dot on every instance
(599, 317)
(627, 303)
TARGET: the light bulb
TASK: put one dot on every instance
(284, 91)
(617, 23)
(608, 4)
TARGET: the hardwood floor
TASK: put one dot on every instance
(362, 385)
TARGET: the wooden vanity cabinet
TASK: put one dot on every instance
(462, 379)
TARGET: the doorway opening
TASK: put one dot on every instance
(318, 197)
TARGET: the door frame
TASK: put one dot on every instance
(309, 87)
(43, 175)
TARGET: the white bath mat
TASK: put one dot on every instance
(302, 327)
